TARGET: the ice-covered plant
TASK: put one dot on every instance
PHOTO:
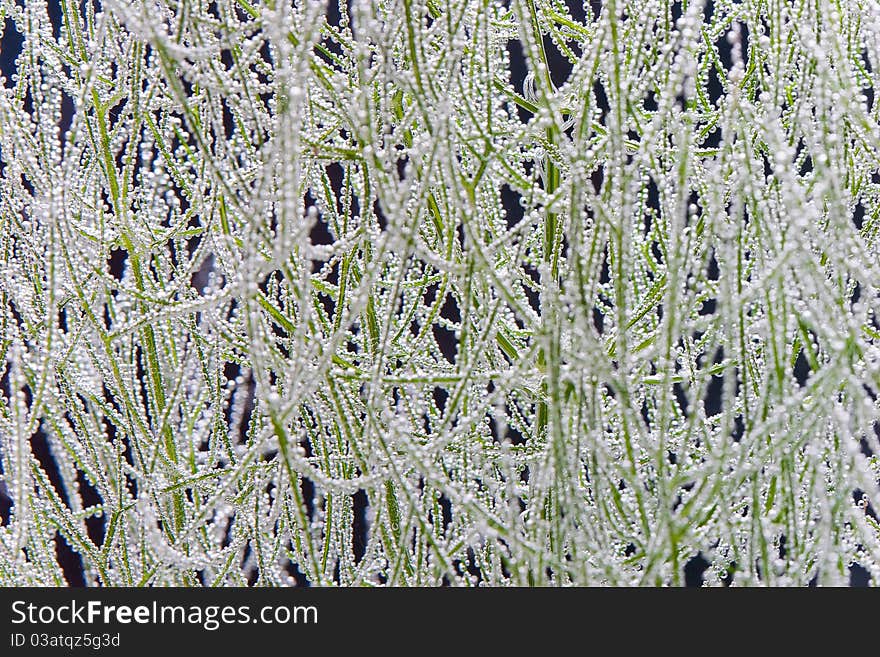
(419, 292)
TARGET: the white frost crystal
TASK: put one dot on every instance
(414, 292)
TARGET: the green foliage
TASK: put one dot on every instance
(327, 291)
